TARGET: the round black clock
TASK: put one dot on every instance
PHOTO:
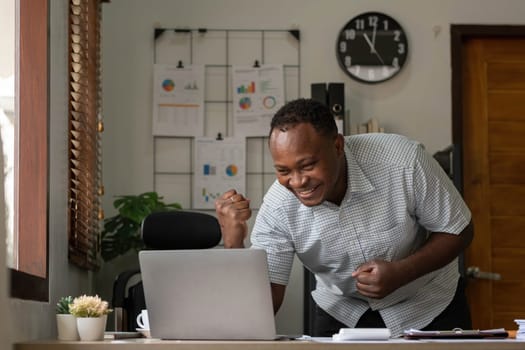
(372, 47)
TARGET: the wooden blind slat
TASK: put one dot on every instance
(84, 133)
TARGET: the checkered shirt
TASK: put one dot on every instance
(396, 192)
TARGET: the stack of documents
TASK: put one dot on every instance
(521, 329)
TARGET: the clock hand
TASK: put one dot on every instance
(379, 56)
(372, 49)
(374, 36)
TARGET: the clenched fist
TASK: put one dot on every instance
(233, 210)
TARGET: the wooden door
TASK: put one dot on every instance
(493, 132)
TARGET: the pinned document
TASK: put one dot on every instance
(258, 92)
(220, 165)
(178, 100)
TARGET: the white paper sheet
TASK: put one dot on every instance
(178, 100)
(257, 94)
(220, 165)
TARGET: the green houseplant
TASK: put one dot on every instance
(91, 313)
(89, 306)
(121, 232)
(62, 307)
(66, 322)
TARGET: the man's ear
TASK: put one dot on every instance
(340, 144)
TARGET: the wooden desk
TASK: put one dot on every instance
(154, 344)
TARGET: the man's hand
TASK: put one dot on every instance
(378, 278)
(233, 210)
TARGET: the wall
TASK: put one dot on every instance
(416, 103)
(36, 320)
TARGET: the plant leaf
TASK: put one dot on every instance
(121, 232)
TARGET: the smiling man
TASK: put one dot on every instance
(373, 216)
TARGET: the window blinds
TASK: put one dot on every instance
(85, 128)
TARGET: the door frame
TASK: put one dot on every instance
(459, 34)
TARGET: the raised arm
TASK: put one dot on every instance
(233, 210)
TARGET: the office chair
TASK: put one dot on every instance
(167, 230)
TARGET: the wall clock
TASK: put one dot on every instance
(372, 47)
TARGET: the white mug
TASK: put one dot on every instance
(143, 320)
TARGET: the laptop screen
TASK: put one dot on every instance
(220, 294)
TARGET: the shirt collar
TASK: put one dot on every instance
(357, 180)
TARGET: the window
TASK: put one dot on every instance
(28, 260)
(7, 114)
(29, 277)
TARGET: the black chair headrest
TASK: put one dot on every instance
(180, 229)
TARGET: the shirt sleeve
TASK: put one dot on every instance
(270, 233)
(439, 206)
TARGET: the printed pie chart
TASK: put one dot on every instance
(168, 85)
(269, 102)
(231, 170)
(245, 103)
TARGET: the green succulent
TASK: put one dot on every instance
(63, 305)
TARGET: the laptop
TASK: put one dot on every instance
(208, 294)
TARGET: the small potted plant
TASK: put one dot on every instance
(91, 313)
(66, 322)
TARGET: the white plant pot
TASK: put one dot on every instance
(67, 327)
(91, 328)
